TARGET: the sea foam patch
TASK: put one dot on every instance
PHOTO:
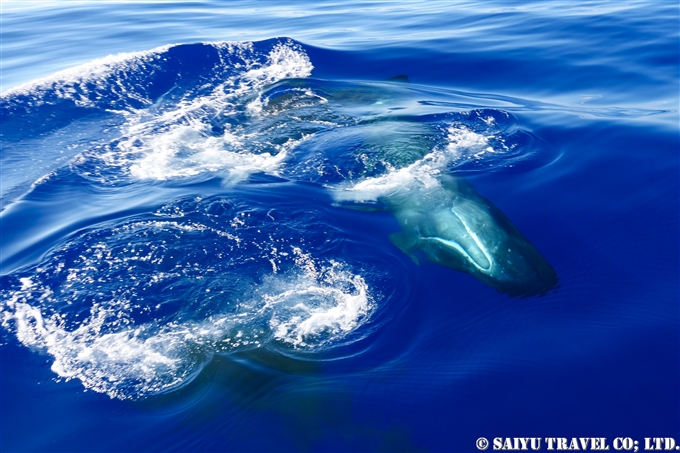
(176, 111)
(182, 140)
(139, 308)
(461, 144)
(319, 305)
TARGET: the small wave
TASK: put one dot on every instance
(478, 100)
(178, 111)
(131, 81)
(178, 136)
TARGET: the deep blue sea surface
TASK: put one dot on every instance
(262, 226)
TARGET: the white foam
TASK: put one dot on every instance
(463, 145)
(184, 152)
(161, 141)
(130, 362)
(319, 310)
(320, 305)
(283, 62)
(310, 306)
(119, 364)
(178, 143)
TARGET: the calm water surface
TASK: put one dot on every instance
(338, 226)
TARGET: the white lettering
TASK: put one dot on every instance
(573, 445)
(517, 443)
(507, 445)
(624, 443)
(599, 443)
(535, 443)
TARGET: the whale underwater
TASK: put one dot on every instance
(462, 230)
(451, 225)
(441, 216)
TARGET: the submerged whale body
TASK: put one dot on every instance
(459, 229)
(395, 154)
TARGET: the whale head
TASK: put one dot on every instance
(466, 232)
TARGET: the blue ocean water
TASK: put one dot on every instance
(250, 226)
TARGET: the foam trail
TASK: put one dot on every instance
(179, 142)
(310, 307)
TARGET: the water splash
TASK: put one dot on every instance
(138, 309)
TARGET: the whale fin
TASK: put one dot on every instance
(403, 78)
(405, 242)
